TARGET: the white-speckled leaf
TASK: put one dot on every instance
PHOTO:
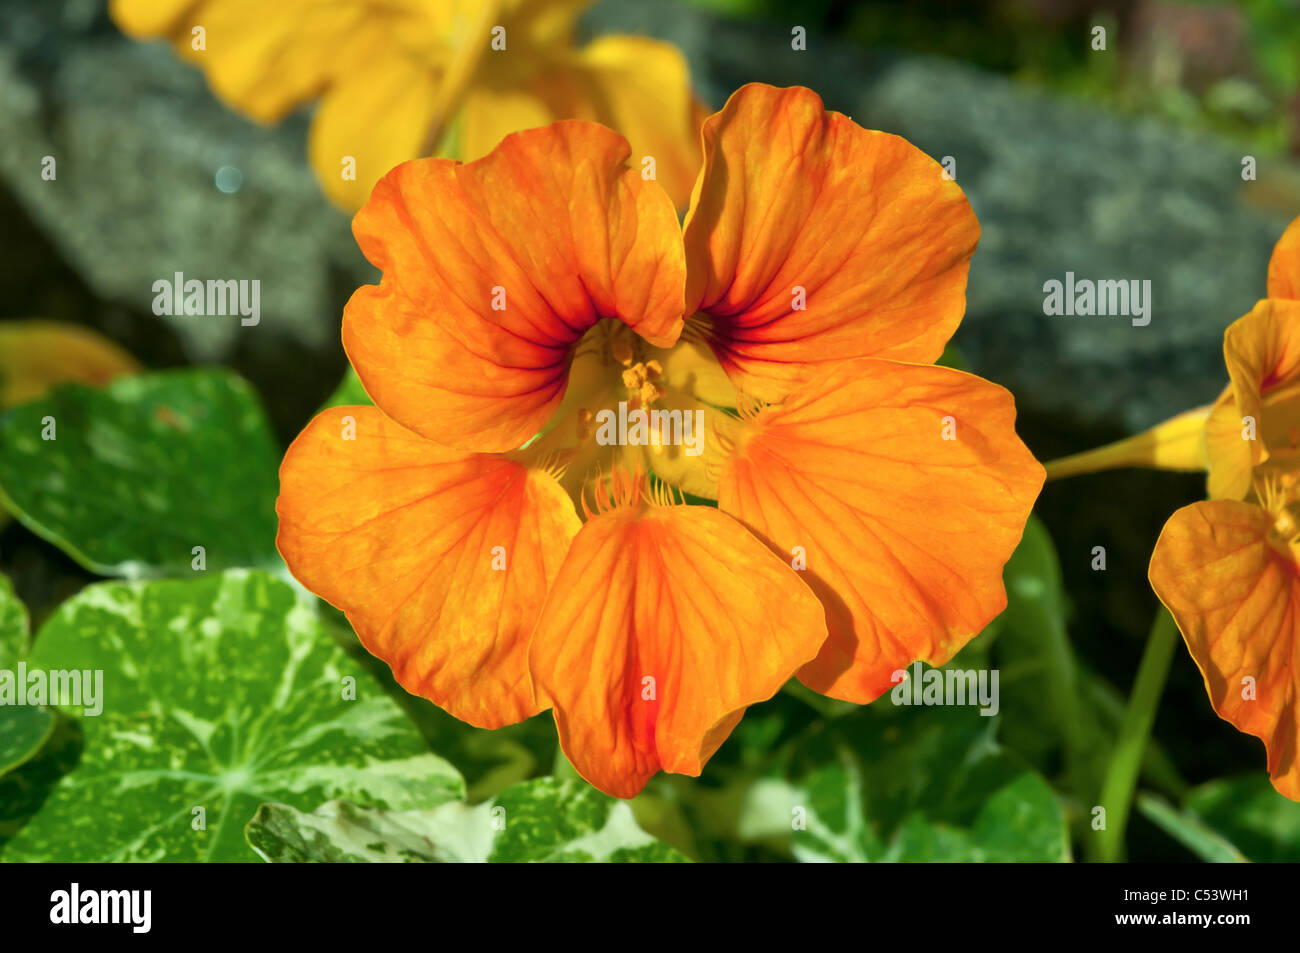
(541, 820)
(141, 472)
(916, 784)
(219, 693)
(23, 728)
(13, 625)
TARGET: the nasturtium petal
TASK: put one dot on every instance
(440, 558)
(1230, 456)
(218, 693)
(145, 18)
(492, 111)
(904, 489)
(377, 70)
(641, 87)
(400, 80)
(1262, 352)
(811, 239)
(543, 820)
(37, 355)
(371, 121)
(23, 728)
(1284, 266)
(130, 479)
(662, 626)
(494, 270)
(268, 59)
(1236, 599)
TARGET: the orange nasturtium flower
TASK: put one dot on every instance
(1229, 569)
(866, 499)
(401, 79)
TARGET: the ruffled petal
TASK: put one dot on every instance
(811, 239)
(1236, 599)
(494, 270)
(641, 87)
(1284, 266)
(1262, 351)
(441, 559)
(663, 625)
(905, 489)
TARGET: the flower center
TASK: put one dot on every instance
(1277, 493)
(633, 406)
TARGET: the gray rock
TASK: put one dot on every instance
(138, 141)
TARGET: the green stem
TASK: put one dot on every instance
(1134, 730)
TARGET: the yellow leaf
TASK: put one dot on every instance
(37, 355)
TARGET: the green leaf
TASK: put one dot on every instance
(909, 785)
(13, 624)
(1188, 830)
(1044, 705)
(143, 471)
(490, 760)
(218, 693)
(24, 789)
(1247, 811)
(23, 728)
(540, 820)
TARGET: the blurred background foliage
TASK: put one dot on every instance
(1228, 67)
(1194, 82)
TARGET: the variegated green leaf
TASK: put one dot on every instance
(13, 624)
(24, 789)
(917, 784)
(218, 694)
(541, 820)
(23, 728)
(163, 474)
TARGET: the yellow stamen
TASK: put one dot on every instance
(634, 376)
(1277, 495)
